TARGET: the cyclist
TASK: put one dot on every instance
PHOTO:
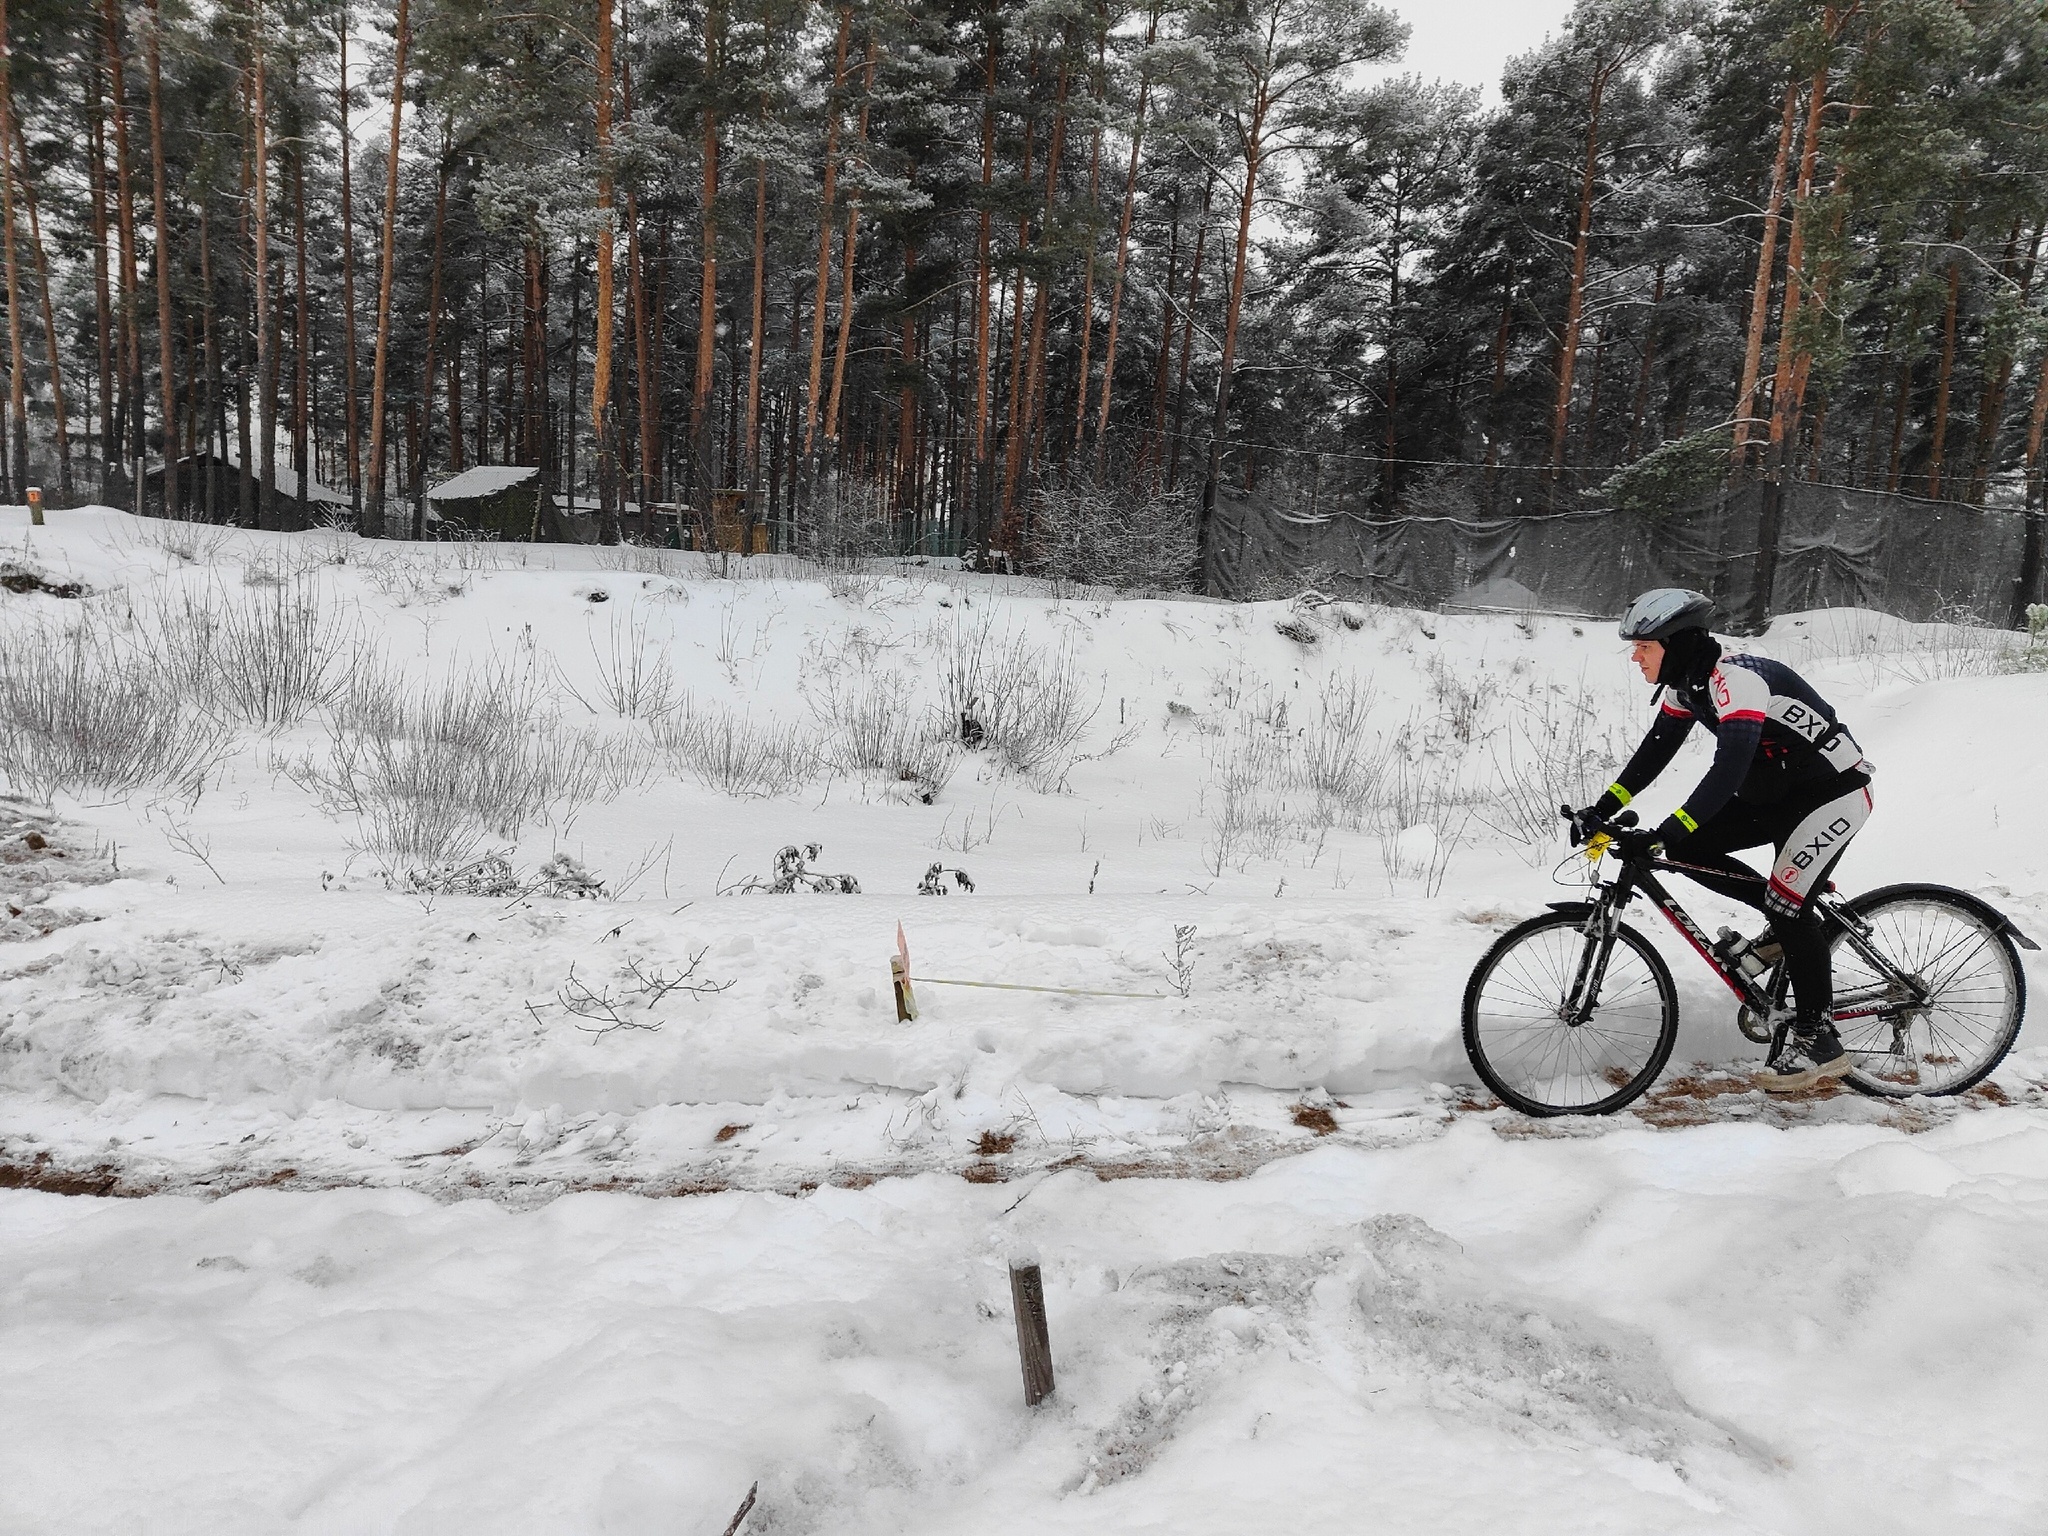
(1786, 772)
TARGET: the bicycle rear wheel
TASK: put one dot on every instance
(1518, 1019)
(1952, 1010)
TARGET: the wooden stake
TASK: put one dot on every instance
(746, 1507)
(1034, 1344)
(35, 505)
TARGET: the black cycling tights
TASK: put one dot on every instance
(1804, 936)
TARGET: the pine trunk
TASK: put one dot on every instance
(302, 346)
(51, 339)
(1123, 245)
(350, 397)
(826, 222)
(1937, 451)
(373, 517)
(1575, 299)
(131, 351)
(165, 319)
(1766, 265)
(848, 249)
(17, 393)
(427, 373)
(601, 370)
(103, 304)
(1232, 311)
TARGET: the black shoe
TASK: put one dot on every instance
(1812, 1055)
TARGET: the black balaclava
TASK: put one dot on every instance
(1689, 656)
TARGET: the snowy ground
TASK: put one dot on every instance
(1301, 1275)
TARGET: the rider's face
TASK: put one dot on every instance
(1648, 656)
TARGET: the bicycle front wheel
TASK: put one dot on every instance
(1932, 999)
(1520, 1028)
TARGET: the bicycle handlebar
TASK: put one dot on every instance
(1590, 825)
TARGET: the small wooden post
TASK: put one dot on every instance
(899, 979)
(1034, 1344)
(35, 505)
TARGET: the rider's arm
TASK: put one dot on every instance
(1650, 759)
(1740, 698)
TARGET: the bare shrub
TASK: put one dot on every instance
(431, 770)
(735, 754)
(1555, 751)
(74, 715)
(875, 728)
(633, 681)
(1423, 824)
(266, 656)
(1107, 536)
(1027, 705)
(1339, 757)
(1244, 800)
(185, 543)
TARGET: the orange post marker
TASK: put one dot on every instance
(35, 505)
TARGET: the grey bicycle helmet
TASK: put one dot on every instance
(1663, 611)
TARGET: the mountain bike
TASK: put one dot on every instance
(1575, 1013)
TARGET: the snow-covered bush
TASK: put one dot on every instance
(1108, 536)
(735, 754)
(434, 768)
(1028, 706)
(2033, 655)
(75, 714)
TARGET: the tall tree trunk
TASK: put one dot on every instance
(17, 393)
(350, 395)
(2028, 581)
(646, 396)
(51, 340)
(131, 351)
(165, 319)
(1575, 300)
(103, 306)
(1639, 407)
(1022, 443)
(757, 339)
(373, 517)
(1233, 309)
(983, 268)
(302, 343)
(266, 340)
(1187, 335)
(1087, 315)
(848, 251)
(245, 478)
(826, 223)
(215, 406)
(601, 371)
(1998, 379)
(1123, 244)
(419, 489)
(1938, 449)
(701, 416)
(1766, 264)
(1784, 398)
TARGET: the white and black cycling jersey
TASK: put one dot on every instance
(1775, 736)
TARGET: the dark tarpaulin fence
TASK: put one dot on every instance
(1512, 539)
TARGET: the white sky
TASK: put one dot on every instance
(1469, 40)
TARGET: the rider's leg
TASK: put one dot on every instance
(1706, 855)
(1804, 861)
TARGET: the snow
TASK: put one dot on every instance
(482, 480)
(411, 1250)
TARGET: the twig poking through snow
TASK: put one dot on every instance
(746, 1507)
(1181, 962)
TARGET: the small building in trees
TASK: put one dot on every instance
(210, 491)
(504, 501)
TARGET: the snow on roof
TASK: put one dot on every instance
(483, 480)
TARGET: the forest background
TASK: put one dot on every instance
(933, 278)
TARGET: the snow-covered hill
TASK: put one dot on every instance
(461, 908)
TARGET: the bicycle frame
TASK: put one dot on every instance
(1617, 893)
